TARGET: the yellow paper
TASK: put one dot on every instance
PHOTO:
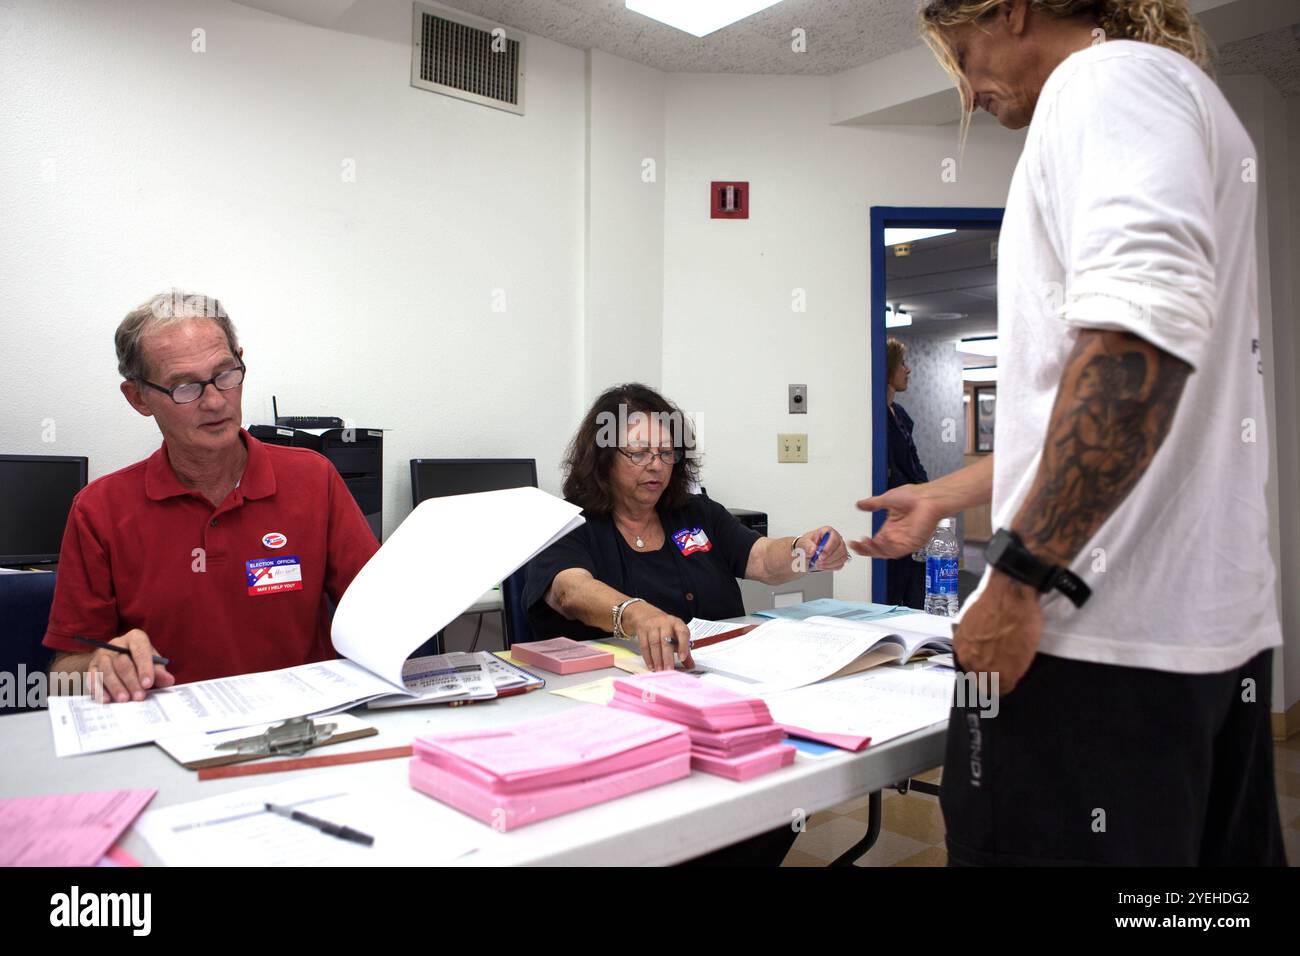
(594, 692)
(618, 650)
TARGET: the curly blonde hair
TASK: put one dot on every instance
(1166, 23)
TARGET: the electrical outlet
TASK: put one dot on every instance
(792, 448)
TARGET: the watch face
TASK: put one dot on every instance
(997, 547)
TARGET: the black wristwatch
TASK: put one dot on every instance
(1008, 554)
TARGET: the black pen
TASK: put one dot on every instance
(324, 826)
(104, 645)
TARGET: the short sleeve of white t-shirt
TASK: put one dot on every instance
(1132, 193)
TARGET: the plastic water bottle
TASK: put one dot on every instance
(941, 571)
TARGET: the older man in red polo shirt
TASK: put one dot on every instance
(217, 551)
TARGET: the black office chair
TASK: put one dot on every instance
(514, 616)
(25, 601)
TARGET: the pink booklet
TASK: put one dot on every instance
(510, 810)
(733, 743)
(581, 742)
(689, 700)
(560, 655)
(530, 771)
(744, 767)
(843, 741)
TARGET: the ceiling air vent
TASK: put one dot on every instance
(471, 59)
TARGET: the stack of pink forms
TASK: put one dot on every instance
(511, 776)
(731, 736)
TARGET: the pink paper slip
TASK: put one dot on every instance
(509, 811)
(583, 742)
(733, 743)
(560, 655)
(745, 767)
(67, 829)
(843, 741)
(689, 700)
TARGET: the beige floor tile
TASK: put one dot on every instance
(817, 819)
(890, 849)
(860, 803)
(1291, 840)
(796, 858)
(931, 856)
(832, 838)
(1288, 760)
(931, 776)
(1291, 743)
(913, 815)
(1288, 783)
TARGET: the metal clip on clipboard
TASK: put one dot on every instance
(289, 739)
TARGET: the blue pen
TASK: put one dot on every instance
(826, 536)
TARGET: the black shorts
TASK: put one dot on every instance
(1097, 764)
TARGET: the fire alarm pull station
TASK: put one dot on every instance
(730, 200)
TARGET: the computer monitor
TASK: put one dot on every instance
(439, 477)
(36, 493)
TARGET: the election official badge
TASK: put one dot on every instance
(690, 540)
(271, 575)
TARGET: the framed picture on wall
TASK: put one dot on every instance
(986, 397)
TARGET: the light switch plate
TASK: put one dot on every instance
(792, 448)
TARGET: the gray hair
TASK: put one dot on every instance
(162, 310)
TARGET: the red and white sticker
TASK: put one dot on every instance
(274, 539)
(271, 575)
(690, 540)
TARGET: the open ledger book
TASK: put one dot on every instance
(783, 654)
(447, 553)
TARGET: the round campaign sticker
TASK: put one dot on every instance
(274, 539)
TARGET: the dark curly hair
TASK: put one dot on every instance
(589, 458)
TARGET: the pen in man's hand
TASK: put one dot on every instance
(105, 646)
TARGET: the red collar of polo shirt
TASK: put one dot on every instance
(258, 481)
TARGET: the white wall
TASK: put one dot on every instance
(732, 342)
(1263, 112)
(625, 223)
(129, 164)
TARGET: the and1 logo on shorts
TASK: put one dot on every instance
(269, 575)
(690, 540)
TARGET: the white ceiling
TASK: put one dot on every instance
(1275, 54)
(841, 34)
(1255, 36)
(948, 284)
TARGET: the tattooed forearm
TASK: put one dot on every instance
(1113, 410)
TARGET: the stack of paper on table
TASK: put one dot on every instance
(782, 654)
(413, 587)
(731, 735)
(68, 829)
(509, 777)
(562, 655)
(870, 707)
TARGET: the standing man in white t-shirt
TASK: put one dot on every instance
(1129, 609)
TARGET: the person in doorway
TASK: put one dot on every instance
(905, 584)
